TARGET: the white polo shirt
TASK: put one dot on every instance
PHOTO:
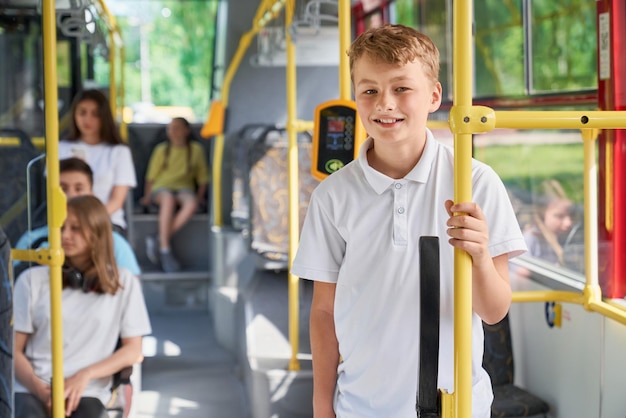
(362, 232)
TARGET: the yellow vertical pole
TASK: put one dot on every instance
(294, 192)
(123, 124)
(344, 44)
(592, 289)
(463, 76)
(112, 85)
(56, 201)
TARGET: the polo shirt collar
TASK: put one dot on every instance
(419, 173)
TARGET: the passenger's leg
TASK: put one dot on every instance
(90, 408)
(28, 406)
(188, 205)
(167, 205)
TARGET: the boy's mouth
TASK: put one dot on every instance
(388, 120)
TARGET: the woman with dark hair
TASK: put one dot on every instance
(100, 301)
(94, 137)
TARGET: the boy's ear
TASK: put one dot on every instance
(436, 97)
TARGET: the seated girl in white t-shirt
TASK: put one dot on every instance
(100, 304)
(93, 136)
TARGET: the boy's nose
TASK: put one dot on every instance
(385, 103)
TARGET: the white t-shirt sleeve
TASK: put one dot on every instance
(22, 303)
(123, 167)
(135, 321)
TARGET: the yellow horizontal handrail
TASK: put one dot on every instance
(607, 309)
(480, 119)
(548, 296)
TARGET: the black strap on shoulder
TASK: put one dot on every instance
(428, 400)
(37, 243)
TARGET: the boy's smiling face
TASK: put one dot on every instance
(394, 100)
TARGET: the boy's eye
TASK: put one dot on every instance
(401, 89)
(370, 91)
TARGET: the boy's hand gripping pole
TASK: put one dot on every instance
(428, 398)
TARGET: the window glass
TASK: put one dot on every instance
(563, 45)
(64, 67)
(432, 18)
(405, 12)
(543, 172)
(155, 91)
(560, 52)
(21, 64)
(499, 48)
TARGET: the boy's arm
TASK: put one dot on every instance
(325, 349)
(491, 290)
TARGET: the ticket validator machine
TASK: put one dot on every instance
(336, 138)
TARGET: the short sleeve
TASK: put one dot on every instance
(123, 167)
(135, 319)
(22, 303)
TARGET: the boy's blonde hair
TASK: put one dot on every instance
(95, 225)
(396, 44)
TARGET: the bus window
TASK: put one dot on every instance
(543, 172)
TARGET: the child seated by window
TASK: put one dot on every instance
(177, 176)
(552, 222)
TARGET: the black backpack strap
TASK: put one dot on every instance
(37, 243)
(428, 400)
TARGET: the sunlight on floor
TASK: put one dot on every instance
(151, 347)
(149, 405)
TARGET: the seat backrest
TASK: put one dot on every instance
(6, 329)
(498, 355)
(14, 160)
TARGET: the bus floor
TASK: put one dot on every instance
(185, 371)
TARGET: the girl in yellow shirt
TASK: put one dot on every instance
(177, 177)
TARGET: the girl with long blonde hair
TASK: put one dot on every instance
(101, 303)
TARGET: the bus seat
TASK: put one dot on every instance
(15, 154)
(265, 190)
(509, 400)
(6, 329)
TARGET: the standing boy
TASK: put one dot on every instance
(360, 241)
